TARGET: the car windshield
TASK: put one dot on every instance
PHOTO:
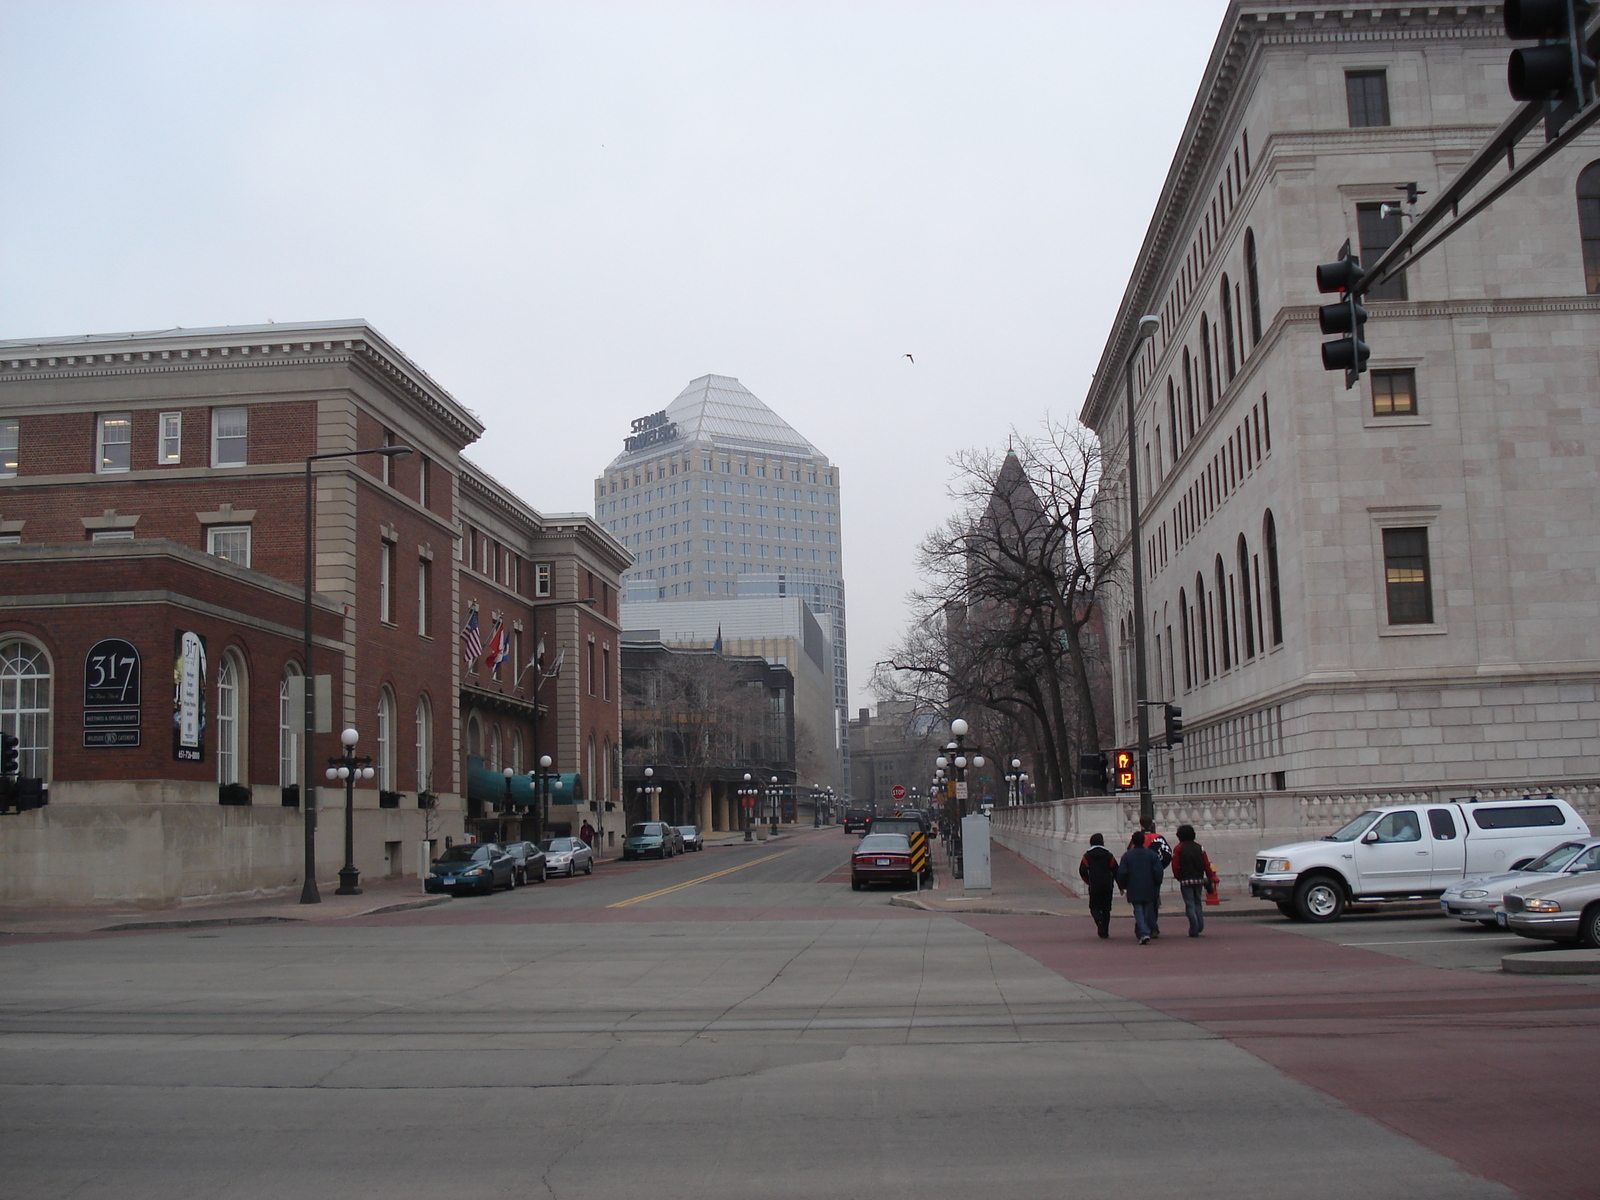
(688, 830)
(1555, 858)
(646, 830)
(1356, 828)
(884, 843)
(558, 845)
(458, 854)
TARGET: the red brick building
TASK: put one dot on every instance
(152, 526)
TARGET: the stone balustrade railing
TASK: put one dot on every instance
(1234, 826)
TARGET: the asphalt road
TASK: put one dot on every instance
(731, 1024)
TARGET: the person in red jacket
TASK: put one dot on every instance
(1192, 868)
(1098, 870)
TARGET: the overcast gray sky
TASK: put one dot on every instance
(565, 212)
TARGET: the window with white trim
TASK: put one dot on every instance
(230, 542)
(229, 437)
(10, 438)
(169, 449)
(115, 443)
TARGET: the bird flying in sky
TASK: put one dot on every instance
(909, 356)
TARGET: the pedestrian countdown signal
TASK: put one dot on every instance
(1124, 771)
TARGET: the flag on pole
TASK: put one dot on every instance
(716, 646)
(471, 639)
(496, 652)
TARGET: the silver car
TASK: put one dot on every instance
(1561, 908)
(691, 837)
(567, 856)
(1478, 899)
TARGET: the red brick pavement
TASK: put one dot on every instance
(1500, 1073)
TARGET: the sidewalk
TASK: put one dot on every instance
(386, 895)
(1022, 889)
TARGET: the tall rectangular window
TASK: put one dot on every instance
(231, 542)
(1378, 226)
(116, 442)
(229, 436)
(541, 579)
(170, 447)
(1366, 95)
(424, 597)
(1406, 576)
(1394, 393)
(424, 470)
(386, 583)
(10, 439)
(386, 460)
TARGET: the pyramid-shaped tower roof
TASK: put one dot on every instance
(721, 410)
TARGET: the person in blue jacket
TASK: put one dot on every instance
(1139, 876)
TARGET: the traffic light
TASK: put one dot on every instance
(1174, 716)
(1349, 353)
(1124, 770)
(9, 758)
(1559, 68)
(1093, 772)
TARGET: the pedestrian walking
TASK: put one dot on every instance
(1192, 868)
(586, 832)
(1139, 875)
(1098, 870)
(1154, 841)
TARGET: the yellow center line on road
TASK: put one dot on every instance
(678, 887)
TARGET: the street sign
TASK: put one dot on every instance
(961, 789)
(898, 792)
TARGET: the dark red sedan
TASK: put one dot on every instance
(882, 858)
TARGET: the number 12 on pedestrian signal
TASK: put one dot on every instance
(1124, 771)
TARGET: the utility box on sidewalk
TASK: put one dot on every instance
(976, 875)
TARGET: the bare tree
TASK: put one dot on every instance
(1006, 627)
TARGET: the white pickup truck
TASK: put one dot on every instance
(1409, 852)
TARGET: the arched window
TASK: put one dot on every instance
(1188, 650)
(1252, 286)
(1172, 418)
(231, 713)
(1247, 615)
(588, 774)
(1224, 642)
(605, 774)
(1188, 389)
(493, 748)
(475, 738)
(1227, 327)
(1205, 362)
(1202, 622)
(289, 725)
(383, 753)
(1589, 225)
(25, 705)
(1269, 537)
(424, 745)
(514, 760)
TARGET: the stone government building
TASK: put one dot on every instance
(1387, 591)
(152, 504)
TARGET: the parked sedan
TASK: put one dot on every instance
(882, 858)
(691, 837)
(530, 862)
(480, 867)
(567, 856)
(1478, 899)
(655, 838)
(1563, 907)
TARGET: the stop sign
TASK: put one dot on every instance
(898, 792)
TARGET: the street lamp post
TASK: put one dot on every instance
(650, 795)
(506, 809)
(1147, 808)
(542, 805)
(747, 804)
(308, 760)
(775, 794)
(349, 767)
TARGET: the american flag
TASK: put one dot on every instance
(471, 640)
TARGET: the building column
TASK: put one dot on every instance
(655, 806)
(705, 807)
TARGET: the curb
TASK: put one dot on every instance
(1553, 962)
(910, 900)
(403, 906)
(198, 923)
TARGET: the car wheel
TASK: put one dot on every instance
(543, 874)
(855, 885)
(1589, 927)
(1319, 899)
(1287, 908)
(588, 867)
(1490, 924)
(518, 879)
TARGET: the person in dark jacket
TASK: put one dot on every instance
(1192, 868)
(1098, 870)
(1139, 875)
